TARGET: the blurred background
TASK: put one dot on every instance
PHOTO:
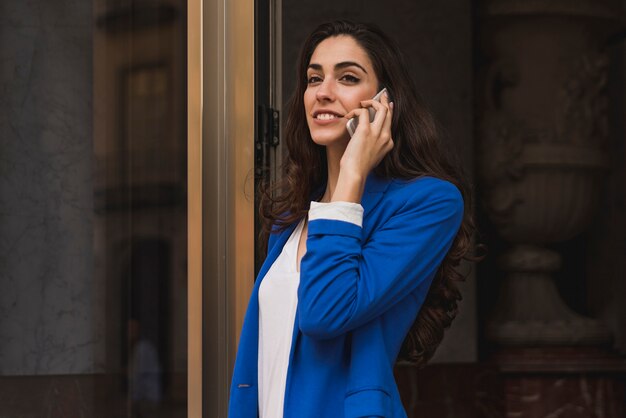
(120, 118)
(93, 225)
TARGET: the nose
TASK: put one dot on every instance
(325, 90)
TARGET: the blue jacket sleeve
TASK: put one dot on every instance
(345, 282)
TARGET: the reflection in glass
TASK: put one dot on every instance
(93, 241)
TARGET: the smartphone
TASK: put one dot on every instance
(352, 123)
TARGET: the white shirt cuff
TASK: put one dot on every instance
(337, 211)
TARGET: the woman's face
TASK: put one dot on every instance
(339, 76)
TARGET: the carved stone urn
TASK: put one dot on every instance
(542, 133)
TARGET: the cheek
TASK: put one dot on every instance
(353, 100)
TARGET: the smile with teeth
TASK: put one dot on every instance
(326, 116)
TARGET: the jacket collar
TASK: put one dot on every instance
(375, 187)
(374, 190)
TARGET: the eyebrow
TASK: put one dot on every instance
(339, 66)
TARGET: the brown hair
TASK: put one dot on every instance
(417, 152)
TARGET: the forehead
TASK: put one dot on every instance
(338, 49)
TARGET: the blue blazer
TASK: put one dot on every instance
(360, 290)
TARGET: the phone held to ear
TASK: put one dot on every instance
(353, 122)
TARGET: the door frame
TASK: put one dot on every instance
(220, 58)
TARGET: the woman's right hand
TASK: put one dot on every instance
(367, 147)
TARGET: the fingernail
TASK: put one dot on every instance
(391, 105)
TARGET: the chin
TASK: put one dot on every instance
(329, 137)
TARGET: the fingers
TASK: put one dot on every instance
(386, 126)
(372, 141)
(382, 120)
(388, 119)
(381, 125)
(381, 112)
(354, 113)
(362, 114)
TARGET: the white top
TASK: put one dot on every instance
(278, 301)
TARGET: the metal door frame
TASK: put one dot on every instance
(220, 58)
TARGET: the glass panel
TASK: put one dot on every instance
(93, 221)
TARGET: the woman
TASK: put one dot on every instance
(364, 232)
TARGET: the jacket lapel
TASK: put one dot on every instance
(375, 188)
(247, 374)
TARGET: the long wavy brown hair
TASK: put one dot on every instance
(418, 151)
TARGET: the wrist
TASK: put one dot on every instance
(349, 187)
(351, 171)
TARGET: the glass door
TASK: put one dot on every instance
(93, 225)
(127, 179)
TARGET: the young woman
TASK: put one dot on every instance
(364, 234)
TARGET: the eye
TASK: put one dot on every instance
(349, 78)
(313, 79)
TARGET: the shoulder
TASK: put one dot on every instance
(421, 203)
(425, 191)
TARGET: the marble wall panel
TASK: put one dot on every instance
(460, 390)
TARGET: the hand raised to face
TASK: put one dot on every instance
(371, 141)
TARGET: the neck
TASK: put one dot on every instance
(333, 158)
